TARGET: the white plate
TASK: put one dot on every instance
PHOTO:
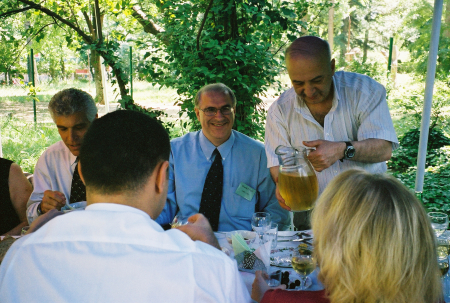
(281, 257)
(248, 236)
(77, 206)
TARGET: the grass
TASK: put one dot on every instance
(23, 143)
(143, 92)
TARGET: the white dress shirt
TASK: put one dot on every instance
(116, 253)
(359, 111)
(53, 171)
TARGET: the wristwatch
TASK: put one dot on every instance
(349, 151)
(39, 210)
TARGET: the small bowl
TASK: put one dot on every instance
(77, 206)
(249, 236)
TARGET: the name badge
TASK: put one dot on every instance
(245, 191)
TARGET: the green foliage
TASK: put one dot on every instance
(411, 105)
(24, 143)
(419, 23)
(406, 155)
(375, 70)
(436, 190)
(239, 46)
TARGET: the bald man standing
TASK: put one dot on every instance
(343, 115)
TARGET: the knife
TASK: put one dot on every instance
(297, 240)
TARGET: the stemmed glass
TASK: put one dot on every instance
(261, 222)
(439, 222)
(178, 221)
(304, 264)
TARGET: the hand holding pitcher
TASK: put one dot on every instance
(297, 181)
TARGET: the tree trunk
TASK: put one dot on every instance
(95, 58)
(63, 68)
(447, 20)
(331, 26)
(365, 46)
(97, 65)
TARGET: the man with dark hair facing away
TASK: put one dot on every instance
(114, 251)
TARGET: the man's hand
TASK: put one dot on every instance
(326, 153)
(41, 220)
(260, 286)
(280, 198)
(274, 171)
(52, 200)
(200, 229)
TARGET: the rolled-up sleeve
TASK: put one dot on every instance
(267, 199)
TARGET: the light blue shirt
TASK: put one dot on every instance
(244, 161)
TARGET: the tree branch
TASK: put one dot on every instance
(48, 12)
(31, 39)
(16, 11)
(73, 14)
(203, 23)
(148, 25)
(88, 22)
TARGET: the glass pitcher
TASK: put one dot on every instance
(297, 181)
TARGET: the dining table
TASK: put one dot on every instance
(285, 244)
(284, 248)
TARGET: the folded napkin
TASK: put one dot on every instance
(256, 257)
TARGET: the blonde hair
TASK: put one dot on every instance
(373, 242)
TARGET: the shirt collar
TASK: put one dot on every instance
(116, 208)
(208, 148)
(72, 159)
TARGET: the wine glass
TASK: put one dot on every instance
(439, 222)
(179, 220)
(261, 222)
(303, 263)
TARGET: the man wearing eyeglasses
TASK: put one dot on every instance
(218, 171)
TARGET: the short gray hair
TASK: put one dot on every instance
(71, 101)
(217, 88)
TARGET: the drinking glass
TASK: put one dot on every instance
(261, 223)
(272, 234)
(439, 222)
(274, 278)
(179, 220)
(24, 230)
(304, 264)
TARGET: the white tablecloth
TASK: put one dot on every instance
(249, 277)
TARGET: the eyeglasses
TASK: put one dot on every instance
(212, 111)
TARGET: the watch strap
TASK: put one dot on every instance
(348, 144)
(39, 210)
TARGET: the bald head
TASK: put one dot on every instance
(309, 47)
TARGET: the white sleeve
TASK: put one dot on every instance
(41, 183)
(276, 134)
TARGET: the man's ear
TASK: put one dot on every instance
(162, 175)
(333, 66)
(79, 172)
(197, 113)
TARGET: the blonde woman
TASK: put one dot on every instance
(373, 243)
